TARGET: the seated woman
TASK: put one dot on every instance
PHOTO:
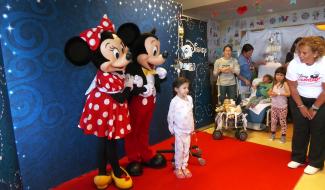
(262, 89)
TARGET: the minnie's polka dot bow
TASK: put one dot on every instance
(92, 36)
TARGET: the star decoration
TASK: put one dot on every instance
(9, 28)
(8, 7)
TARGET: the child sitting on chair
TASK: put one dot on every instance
(181, 124)
(262, 89)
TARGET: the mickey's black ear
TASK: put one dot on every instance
(77, 51)
(128, 32)
(153, 31)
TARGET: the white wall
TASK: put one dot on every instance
(229, 31)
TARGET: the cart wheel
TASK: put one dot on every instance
(217, 134)
(201, 161)
(237, 134)
(242, 135)
(199, 151)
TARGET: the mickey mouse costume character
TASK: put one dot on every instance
(146, 56)
(105, 113)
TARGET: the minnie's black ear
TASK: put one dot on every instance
(153, 31)
(128, 32)
(77, 51)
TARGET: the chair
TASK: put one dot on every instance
(258, 118)
(195, 151)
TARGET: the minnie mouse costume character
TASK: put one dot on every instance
(146, 56)
(105, 113)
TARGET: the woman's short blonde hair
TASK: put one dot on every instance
(316, 44)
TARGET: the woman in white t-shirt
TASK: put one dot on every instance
(306, 79)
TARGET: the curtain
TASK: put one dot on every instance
(260, 39)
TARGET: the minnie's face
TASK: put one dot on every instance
(115, 52)
(153, 57)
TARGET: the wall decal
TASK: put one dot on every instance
(241, 10)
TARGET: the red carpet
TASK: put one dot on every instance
(231, 164)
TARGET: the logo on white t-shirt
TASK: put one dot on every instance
(311, 78)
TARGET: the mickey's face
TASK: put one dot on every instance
(153, 57)
(115, 52)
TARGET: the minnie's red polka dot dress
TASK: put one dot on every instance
(102, 115)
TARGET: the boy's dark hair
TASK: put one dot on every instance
(246, 48)
(281, 70)
(178, 82)
(290, 54)
(294, 45)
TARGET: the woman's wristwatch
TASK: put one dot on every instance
(315, 108)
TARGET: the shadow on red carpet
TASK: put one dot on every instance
(231, 164)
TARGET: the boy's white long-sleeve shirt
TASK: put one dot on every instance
(180, 115)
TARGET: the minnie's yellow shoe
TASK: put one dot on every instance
(124, 182)
(102, 181)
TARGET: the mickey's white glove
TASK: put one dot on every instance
(161, 72)
(138, 81)
(149, 90)
(128, 82)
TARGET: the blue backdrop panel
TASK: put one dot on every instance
(196, 32)
(46, 92)
(9, 172)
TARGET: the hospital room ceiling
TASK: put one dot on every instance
(231, 9)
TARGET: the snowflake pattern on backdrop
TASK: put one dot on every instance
(32, 35)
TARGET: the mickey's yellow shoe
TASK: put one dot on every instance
(102, 181)
(124, 182)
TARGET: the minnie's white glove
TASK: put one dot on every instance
(138, 81)
(161, 72)
(92, 86)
